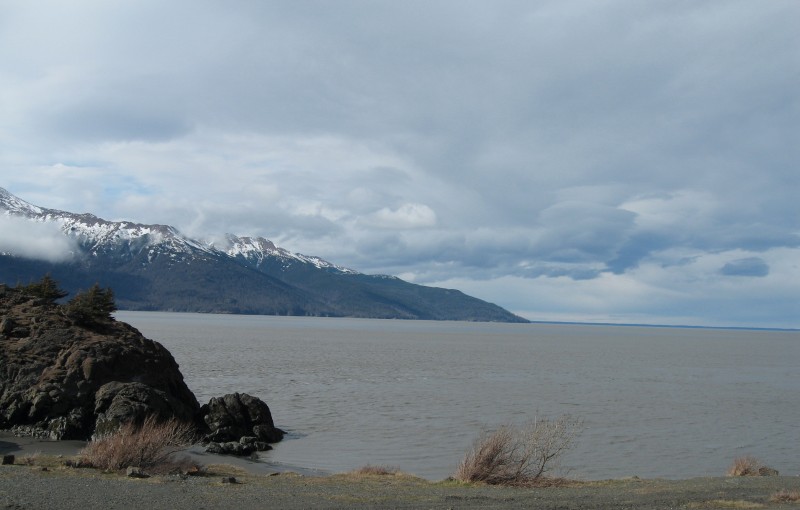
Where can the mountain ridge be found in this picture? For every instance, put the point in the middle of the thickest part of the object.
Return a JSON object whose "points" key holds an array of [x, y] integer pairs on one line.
{"points": [[155, 267]]}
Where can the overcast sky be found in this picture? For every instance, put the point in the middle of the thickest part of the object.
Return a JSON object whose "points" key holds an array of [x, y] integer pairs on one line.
{"points": [[597, 160]]}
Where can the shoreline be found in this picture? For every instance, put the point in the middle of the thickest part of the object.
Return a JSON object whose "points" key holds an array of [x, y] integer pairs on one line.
{"points": [[26, 446], [22, 446], [43, 482]]}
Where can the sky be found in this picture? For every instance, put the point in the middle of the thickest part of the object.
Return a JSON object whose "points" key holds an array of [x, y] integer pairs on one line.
{"points": [[569, 160]]}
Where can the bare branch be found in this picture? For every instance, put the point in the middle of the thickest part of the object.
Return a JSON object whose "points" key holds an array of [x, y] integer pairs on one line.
{"points": [[519, 456]]}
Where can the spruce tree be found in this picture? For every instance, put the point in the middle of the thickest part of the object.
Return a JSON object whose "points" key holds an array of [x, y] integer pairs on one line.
{"points": [[46, 288], [93, 307]]}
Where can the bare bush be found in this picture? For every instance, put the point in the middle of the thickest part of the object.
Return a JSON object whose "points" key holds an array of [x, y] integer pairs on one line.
{"points": [[150, 445], [749, 466], [30, 460], [490, 459], [519, 456]]}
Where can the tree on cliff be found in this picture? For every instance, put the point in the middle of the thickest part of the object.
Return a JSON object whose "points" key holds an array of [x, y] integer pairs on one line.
{"points": [[46, 288], [93, 307]]}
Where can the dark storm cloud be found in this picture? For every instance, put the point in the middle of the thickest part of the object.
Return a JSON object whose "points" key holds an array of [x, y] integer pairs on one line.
{"points": [[750, 266]]}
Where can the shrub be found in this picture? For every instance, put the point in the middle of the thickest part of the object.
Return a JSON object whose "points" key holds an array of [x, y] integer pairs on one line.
{"points": [[519, 456], [749, 466], [30, 460], [150, 445]]}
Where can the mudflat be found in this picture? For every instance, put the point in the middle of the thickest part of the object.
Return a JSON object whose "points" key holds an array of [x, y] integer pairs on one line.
{"points": [[59, 487]]}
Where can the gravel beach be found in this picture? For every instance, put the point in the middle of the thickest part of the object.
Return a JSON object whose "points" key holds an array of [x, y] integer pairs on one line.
{"points": [[59, 487], [39, 480]]}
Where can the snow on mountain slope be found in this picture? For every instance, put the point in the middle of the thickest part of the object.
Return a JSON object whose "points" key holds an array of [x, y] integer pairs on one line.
{"points": [[255, 250], [14, 205], [96, 235]]}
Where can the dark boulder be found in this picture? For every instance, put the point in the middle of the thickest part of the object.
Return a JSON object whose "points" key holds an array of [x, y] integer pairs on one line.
{"points": [[6, 326], [239, 423], [117, 403]]}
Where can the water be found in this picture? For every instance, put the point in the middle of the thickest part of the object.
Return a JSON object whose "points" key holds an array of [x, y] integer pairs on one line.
{"points": [[656, 402]]}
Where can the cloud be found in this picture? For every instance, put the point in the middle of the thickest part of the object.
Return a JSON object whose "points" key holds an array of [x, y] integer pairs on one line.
{"points": [[404, 217], [750, 266], [575, 231], [539, 143], [30, 239], [93, 122], [691, 293]]}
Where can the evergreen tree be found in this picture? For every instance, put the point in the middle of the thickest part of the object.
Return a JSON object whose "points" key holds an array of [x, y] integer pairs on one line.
{"points": [[46, 288], [93, 307]]}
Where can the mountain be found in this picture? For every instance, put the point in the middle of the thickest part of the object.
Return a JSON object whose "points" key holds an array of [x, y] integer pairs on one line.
{"points": [[155, 267]]}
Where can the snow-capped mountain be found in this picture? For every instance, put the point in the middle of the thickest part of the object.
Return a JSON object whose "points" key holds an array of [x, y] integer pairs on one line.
{"points": [[13, 205], [156, 267], [126, 239], [95, 235], [256, 251]]}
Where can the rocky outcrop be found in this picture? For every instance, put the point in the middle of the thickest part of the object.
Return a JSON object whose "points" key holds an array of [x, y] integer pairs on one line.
{"points": [[239, 424], [65, 378], [65, 381]]}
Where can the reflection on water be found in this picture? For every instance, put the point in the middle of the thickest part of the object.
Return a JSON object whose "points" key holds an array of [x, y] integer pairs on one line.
{"points": [[657, 402]]}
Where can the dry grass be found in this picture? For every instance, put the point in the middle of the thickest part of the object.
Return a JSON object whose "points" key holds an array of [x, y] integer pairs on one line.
{"points": [[31, 459], [150, 445], [726, 503], [40, 460], [226, 470], [370, 470], [785, 496], [520, 456], [747, 466]]}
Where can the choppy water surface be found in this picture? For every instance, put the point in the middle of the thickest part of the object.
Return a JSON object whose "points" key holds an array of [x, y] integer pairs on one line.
{"points": [[656, 402]]}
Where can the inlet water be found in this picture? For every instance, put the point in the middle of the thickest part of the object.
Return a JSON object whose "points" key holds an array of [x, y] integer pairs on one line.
{"points": [[656, 402]]}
